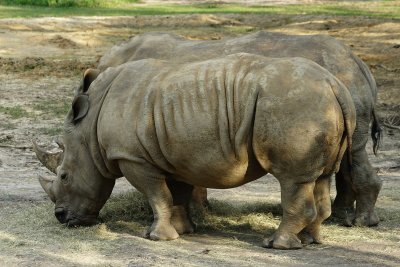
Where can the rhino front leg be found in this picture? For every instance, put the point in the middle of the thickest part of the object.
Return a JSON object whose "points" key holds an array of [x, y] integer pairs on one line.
{"points": [[181, 194], [362, 186], [343, 206], [367, 186], [298, 211], [311, 234], [151, 182]]}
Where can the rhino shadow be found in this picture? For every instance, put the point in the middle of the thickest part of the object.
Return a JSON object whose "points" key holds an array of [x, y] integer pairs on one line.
{"points": [[130, 213]]}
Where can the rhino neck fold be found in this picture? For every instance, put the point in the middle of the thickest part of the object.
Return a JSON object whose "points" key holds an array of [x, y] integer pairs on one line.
{"points": [[107, 168]]}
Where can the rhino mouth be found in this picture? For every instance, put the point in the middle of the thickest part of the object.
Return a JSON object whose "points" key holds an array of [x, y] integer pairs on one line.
{"points": [[71, 219]]}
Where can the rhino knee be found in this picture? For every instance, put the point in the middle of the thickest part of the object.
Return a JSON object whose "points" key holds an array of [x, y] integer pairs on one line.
{"points": [[366, 178], [324, 212], [375, 183], [310, 214]]}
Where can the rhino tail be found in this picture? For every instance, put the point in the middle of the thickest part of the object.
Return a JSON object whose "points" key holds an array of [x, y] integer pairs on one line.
{"points": [[376, 130], [349, 115]]}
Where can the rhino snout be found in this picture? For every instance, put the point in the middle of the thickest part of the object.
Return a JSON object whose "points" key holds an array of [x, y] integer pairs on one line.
{"points": [[61, 215], [72, 220]]}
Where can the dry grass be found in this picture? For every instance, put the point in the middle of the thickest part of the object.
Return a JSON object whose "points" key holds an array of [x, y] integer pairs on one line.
{"points": [[34, 232], [130, 214]]}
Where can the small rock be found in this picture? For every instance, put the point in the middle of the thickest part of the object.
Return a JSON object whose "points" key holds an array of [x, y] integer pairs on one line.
{"points": [[205, 251]]}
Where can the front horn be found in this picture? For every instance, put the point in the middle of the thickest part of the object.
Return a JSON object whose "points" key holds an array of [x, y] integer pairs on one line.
{"points": [[47, 184], [50, 160]]}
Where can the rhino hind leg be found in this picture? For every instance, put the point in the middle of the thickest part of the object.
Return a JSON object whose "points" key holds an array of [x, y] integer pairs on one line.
{"points": [[199, 198], [181, 221], [311, 233], [152, 183], [299, 210], [181, 194]]}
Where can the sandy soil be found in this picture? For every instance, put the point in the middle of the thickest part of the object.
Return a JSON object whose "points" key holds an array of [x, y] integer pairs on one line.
{"points": [[41, 61]]}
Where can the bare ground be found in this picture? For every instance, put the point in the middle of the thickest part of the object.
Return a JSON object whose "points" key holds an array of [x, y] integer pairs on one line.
{"points": [[41, 61]]}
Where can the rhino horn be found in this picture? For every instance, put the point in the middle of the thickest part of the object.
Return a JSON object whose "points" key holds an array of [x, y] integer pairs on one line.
{"points": [[47, 184], [50, 160], [60, 142]]}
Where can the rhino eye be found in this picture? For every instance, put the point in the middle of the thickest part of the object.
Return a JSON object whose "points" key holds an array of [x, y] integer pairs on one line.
{"points": [[64, 177]]}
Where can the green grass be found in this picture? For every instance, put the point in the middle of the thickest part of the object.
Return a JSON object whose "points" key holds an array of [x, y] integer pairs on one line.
{"points": [[15, 112], [67, 3], [387, 9], [51, 131], [53, 108], [47, 110]]}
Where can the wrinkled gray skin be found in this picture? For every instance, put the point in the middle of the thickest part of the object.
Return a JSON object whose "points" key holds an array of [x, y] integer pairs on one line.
{"points": [[216, 124], [364, 186]]}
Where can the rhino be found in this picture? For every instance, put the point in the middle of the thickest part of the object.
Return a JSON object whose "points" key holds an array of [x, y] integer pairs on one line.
{"points": [[361, 185], [218, 123]]}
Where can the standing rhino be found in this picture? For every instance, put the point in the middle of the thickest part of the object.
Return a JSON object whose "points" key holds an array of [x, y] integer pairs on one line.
{"points": [[219, 124], [363, 185]]}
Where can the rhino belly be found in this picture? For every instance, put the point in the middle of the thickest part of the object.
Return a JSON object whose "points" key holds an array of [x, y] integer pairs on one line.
{"points": [[218, 172]]}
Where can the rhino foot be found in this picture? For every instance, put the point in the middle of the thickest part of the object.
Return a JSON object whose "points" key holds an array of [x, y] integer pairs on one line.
{"points": [[307, 238], [345, 215], [366, 219], [162, 233], [181, 220], [282, 241]]}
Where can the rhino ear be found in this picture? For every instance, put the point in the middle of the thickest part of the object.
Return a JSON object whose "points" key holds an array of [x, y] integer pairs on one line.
{"points": [[88, 77], [80, 107]]}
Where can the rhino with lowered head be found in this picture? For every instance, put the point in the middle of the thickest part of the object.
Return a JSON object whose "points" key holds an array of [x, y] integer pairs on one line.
{"points": [[218, 123], [363, 185]]}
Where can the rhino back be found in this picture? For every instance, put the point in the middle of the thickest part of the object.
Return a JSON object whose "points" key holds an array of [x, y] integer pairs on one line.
{"points": [[148, 45], [328, 52]]}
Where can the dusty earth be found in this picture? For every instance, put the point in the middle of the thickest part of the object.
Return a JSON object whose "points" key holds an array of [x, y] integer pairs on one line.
{"points": [[41, 62]]}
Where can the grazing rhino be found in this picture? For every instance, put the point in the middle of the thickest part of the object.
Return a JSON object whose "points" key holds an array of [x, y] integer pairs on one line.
{"points": [[218, 123], [363, 185]]}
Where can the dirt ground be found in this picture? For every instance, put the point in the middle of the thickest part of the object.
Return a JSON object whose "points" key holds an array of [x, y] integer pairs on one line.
{"points": [[41, 63]]}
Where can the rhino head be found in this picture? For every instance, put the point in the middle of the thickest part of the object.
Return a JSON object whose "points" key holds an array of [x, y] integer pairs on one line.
{"points": [[79, 189]]}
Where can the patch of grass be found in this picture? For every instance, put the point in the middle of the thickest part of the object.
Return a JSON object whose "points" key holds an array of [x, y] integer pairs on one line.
{"points": [[240, 29], [15, 112], [51, 131], [131, 212], [127, 207], [377, 9], [52, 108], [250, 218], [43, 67], [67, 3], [35, 231], [7, 125]]}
